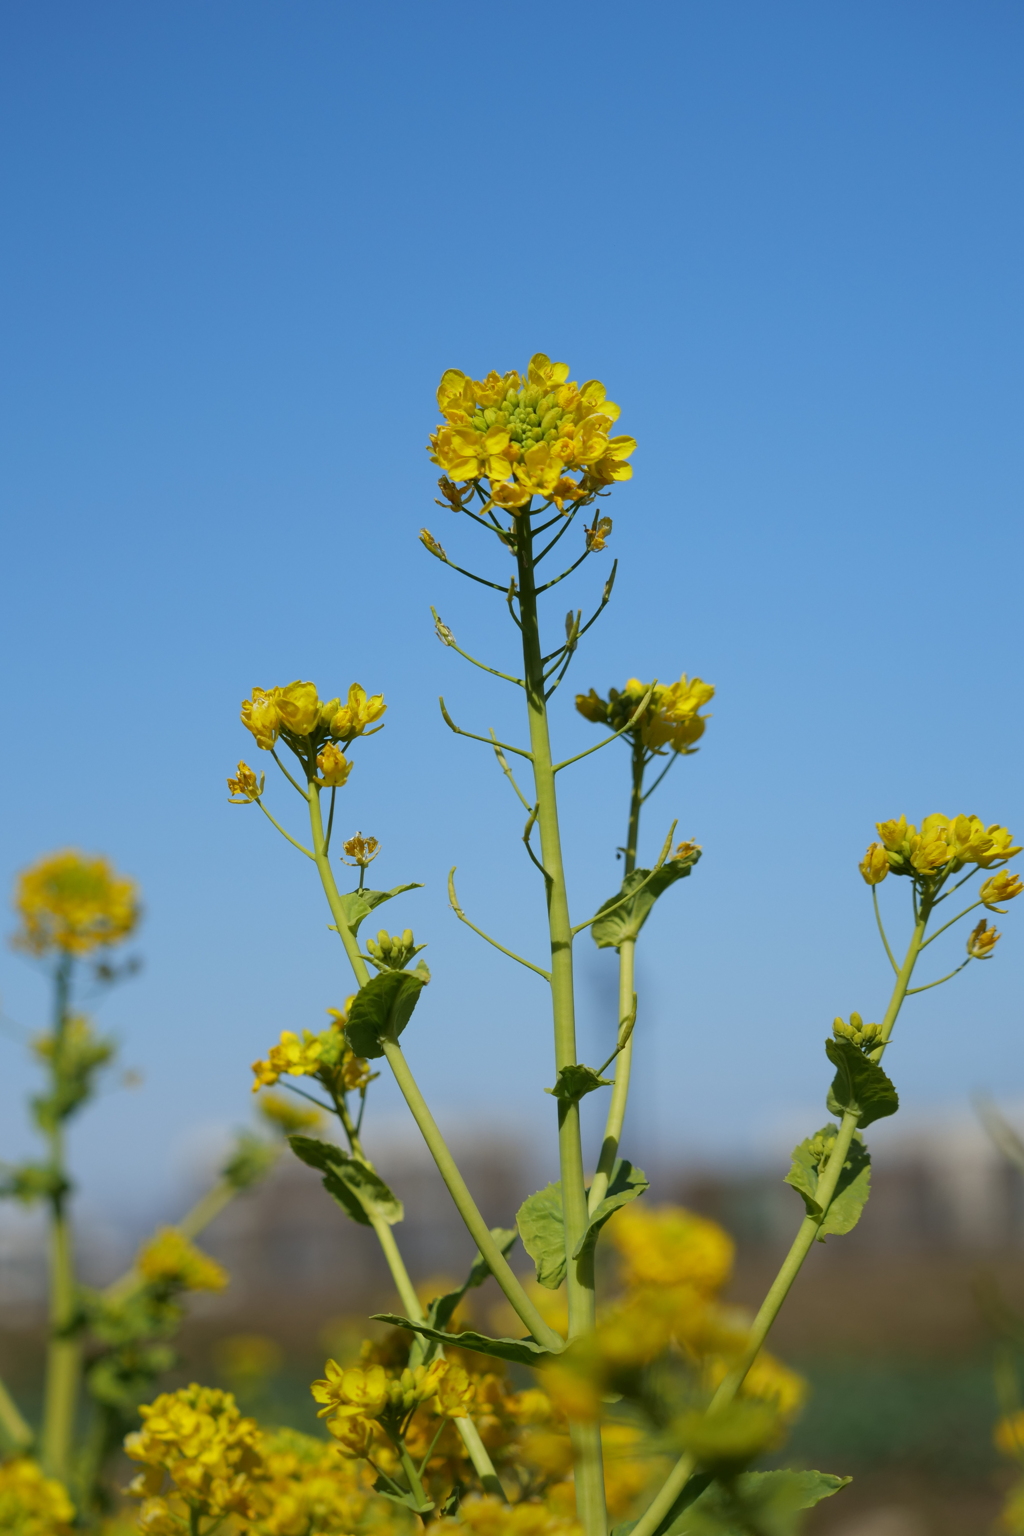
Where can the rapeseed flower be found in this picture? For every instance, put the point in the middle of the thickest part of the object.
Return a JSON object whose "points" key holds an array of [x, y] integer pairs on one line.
{"points": [[670, 719], [198, 1440], [32, 1504], [1001, 887], [518, 437], [170, 1258], [944, 845], [671, 1247], [299, 713], [246, 787], [74, 903], [982, 941], [334, 766], [360, 850]]}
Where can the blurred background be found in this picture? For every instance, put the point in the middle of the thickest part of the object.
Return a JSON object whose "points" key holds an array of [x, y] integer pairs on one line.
{"points": [[241, 243]]}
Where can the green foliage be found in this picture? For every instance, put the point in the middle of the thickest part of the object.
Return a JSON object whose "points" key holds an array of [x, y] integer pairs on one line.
{"points": [[859, 1084], [382, 1009], [757, 1504], [442, 1308], [629, 916], [359, 1191], [29, 1182], [852, 1190], [518, 1351], [575, 1081], [542, 1227], [358, 905], [250, 1160], [74, 1054]]}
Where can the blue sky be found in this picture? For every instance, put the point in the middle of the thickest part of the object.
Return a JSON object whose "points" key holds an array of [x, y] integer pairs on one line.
{"points": [[241, 242]]}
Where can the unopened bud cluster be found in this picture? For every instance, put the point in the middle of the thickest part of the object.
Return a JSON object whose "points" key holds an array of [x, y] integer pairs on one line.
{"points": [[866, 1037], [392, 952]]}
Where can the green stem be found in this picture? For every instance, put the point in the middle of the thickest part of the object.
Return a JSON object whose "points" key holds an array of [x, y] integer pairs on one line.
{"points": [[18, 1434], [586, 1437], [655, 1514], [64, 1354], [191, 1224], [627, 958]]}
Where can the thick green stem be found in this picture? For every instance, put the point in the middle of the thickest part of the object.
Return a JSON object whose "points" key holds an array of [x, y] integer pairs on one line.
{"points": [[670, 1491], [586, 1437], [64, 1354]]}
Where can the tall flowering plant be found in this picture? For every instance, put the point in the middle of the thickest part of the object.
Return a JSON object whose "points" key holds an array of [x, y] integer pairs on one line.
{"points": [[656, 1401]]}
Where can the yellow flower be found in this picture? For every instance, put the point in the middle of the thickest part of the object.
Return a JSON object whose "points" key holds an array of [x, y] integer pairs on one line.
{"points": [[944, 844], [671, 1246], [200, 1440], [74, 903], [298, 707], [455, 1394], [493, 1517], [982, 941], [1001, 887], [359, 713], [592, 708], [670, 718], [334, 766], [32, 1504], [598, 536], [875, 865], [286, 1116], [523, 435], [169, 1258], [1009, 1435], [1001, 847], [768, 1380], [246, 787], [291, 1056], [260, 716], [361, 850], [354, 1433]]}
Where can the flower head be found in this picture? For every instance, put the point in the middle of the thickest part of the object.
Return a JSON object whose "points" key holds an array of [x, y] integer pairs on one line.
{"points": [[1001, 887], [875, 865], [246, 787], [360, 850], [170, 1259], [286, 1116], [298, 707], [520, 437], [32, 1504], [671, 1246], [75, 903], [334, 766], [360, 712], [982, 941], [944, 845], [260, 715], [198, 1439], [670, 717]]}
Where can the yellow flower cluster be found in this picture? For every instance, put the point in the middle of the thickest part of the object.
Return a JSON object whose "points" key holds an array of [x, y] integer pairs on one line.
{"points": [[298, 714], [528, 436], [327, 1056], [287, 1116], [488, 1516], [357, 1398], [944, 845], [197, 1451], [202, 1459], [32, 1504], [670, 719], [74, 903], [170, 1259]]}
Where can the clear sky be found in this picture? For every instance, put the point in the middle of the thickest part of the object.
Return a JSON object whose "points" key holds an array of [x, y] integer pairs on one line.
{"points": [[241, 242]]}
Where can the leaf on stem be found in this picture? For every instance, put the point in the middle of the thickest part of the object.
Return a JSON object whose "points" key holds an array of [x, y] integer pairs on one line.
{"points": [[359, 904], [442, 1308], [520, 1351], [382, 1009], [359, 1191], [851, 1192], [768, 1502], [626, 921], [541, 1223], [859, 1085], [577, 1080]]}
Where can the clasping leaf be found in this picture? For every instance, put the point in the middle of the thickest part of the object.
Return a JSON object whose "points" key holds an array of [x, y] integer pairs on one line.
{"points": [[859, 1085], [626, 921], [357, 1188], [359, 904], [382, 1009], [852, 1190]]}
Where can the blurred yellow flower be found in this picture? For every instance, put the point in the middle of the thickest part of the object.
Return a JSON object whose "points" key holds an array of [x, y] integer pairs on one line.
{"points": [[768, 1380], [982, 941], [528, 436], [671, 1246], [287, 1116], [334, 766], [32, 1504], [169, 1258], [72, 902], [455, 1394], [246, 787], [1009, 1435]]}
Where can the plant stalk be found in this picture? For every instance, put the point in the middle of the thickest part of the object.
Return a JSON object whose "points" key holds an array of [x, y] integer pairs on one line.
{"points": [[64, 1354], [586, 1437]]}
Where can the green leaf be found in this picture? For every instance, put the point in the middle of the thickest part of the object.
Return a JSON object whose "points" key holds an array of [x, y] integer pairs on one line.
{"points": [[577, 1080], [625, 1184], [626, 921], [769, 1503], [357, 1188], [359, 904], [382, 1009], [852, 1190], [542, 1229], [441, 1309], [859, 1084], [521, 1351]]}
